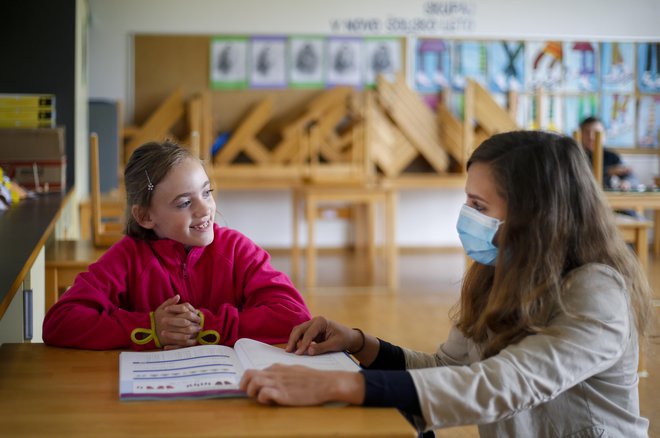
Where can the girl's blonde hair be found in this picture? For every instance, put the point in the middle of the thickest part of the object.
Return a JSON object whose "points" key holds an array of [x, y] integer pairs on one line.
{"points": [[148, 165], [557, 219]]}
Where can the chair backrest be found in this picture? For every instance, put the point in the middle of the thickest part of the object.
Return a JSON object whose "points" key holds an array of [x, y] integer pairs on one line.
{"points": [[103, 233]]}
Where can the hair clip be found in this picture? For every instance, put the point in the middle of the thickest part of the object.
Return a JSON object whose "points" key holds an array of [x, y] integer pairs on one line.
{"points": [[150, 186]]}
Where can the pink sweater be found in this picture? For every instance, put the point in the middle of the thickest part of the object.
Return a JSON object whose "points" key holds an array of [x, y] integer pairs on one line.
{"points": [[230, 281]]}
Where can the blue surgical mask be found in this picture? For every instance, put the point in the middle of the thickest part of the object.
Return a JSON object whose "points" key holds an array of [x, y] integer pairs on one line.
{"points": [[477, 231]]}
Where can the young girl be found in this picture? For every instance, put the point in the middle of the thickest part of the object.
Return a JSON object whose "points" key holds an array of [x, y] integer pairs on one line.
{"points": [[545, 337], [176, 279]]}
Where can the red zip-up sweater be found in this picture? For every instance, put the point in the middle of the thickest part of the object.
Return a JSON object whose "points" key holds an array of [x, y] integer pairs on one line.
{"points": [[230, 281]]}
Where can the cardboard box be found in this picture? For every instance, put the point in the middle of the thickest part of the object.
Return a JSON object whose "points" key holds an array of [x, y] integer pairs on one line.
{"points": [[34, 155]]}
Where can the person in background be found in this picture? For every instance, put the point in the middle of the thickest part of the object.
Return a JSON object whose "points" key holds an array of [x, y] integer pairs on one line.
{"points": [[545, 337], [616, 175], [176, 279]]}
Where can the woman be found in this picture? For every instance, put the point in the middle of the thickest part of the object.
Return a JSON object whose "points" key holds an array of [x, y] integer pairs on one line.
{"points": [[545, 337]]}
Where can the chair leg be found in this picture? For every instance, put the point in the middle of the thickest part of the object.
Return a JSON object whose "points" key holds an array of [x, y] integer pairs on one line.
{"points": [[310, 209], [390, 239], [295, 246]]}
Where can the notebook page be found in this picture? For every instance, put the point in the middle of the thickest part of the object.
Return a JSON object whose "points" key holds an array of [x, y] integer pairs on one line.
{"points": [[194, 370], [257, 355]]}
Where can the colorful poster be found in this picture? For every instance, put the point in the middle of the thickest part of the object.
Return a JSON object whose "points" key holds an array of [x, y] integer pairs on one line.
{"points": [[551, 112], [268, 62], [543, 65], [506, 66], [648, 121], [345, 61], [383, 57], [648, 67], [618, 67], [578, 108], [580, 67], [228, 62], [432, 69], [618, 116], [468, 61], [306, 62]]}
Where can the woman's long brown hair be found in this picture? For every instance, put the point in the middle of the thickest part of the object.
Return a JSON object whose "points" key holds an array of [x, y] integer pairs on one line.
{"points": [[557, 220]]}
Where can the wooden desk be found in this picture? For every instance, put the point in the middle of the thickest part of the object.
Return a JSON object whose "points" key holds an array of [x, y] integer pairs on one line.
{"points": [[24, 229], [310, 197], [74, 393], [645, 200], [635, 231]]}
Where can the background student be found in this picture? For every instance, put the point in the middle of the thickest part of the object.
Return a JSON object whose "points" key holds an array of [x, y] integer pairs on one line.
{"points": [[545, 336], [616, 175], [176, 279]]}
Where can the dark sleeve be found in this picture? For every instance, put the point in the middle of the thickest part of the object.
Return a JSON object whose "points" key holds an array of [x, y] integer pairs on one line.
{"points": [[388, 384], [391, 388], [611, 159], [390, 357]]}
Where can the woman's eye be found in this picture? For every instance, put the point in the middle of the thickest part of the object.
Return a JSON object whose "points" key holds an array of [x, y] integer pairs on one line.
{"points": [[207, 193], [184, 204]]}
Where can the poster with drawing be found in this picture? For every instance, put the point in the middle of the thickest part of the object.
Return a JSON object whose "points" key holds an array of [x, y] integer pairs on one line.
{"points": [[345, 61], [543, 65], [551, 107], [505, 66], [228, 62], [268, 62], [431, 67], [578, 108], [580, 67], [648, 121], [383, 57], [468, 61], [618, 116], [307, 58], [648, 67], [617, 66]]}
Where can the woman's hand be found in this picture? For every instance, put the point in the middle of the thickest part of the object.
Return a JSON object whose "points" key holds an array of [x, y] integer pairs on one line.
{"points": [[295, 385], [176, 324], [320, 335]]}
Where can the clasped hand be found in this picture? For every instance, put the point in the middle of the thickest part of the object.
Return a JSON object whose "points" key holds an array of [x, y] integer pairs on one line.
{"points": [[176, 324]]}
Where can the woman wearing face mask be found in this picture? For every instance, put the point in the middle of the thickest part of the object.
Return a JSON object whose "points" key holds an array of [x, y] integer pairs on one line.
{"points": [[545, 336]]}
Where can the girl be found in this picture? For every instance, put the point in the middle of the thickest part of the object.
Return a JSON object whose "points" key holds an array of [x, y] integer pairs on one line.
{"points": [[176, 279], [545, 337]]}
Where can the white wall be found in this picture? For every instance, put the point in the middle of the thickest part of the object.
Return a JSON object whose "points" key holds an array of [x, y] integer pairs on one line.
{"points": [[425, 218]]}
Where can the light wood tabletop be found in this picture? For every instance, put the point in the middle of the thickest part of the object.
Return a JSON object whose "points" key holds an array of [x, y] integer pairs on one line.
{"points": [[48, 391]]}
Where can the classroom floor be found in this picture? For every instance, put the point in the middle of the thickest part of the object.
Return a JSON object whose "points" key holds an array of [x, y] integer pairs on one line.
{"points": [[416, 315]]}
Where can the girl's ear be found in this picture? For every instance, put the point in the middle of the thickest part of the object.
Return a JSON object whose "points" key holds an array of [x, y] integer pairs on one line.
{"points": [[142, 217]]}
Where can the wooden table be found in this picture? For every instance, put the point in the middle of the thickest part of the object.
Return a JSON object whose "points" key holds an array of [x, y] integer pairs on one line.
{"points": [[24, 229], [47, 391], [309, 199], [644, 200]]}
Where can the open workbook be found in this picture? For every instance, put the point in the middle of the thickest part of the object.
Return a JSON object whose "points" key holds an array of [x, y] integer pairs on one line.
{"points": [[206, 371]]}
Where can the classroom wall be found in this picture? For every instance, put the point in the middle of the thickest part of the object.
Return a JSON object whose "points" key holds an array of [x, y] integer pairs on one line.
{"points": [[425, 217]]}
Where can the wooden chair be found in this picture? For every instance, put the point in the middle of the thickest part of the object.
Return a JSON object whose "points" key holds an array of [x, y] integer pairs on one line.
{"points": [[106, 230], [329, 184], [65, 259]]}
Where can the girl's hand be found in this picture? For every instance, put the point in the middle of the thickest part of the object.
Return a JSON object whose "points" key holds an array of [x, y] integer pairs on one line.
{"points": [[320, 335], [177, 325], [295, 385]]}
